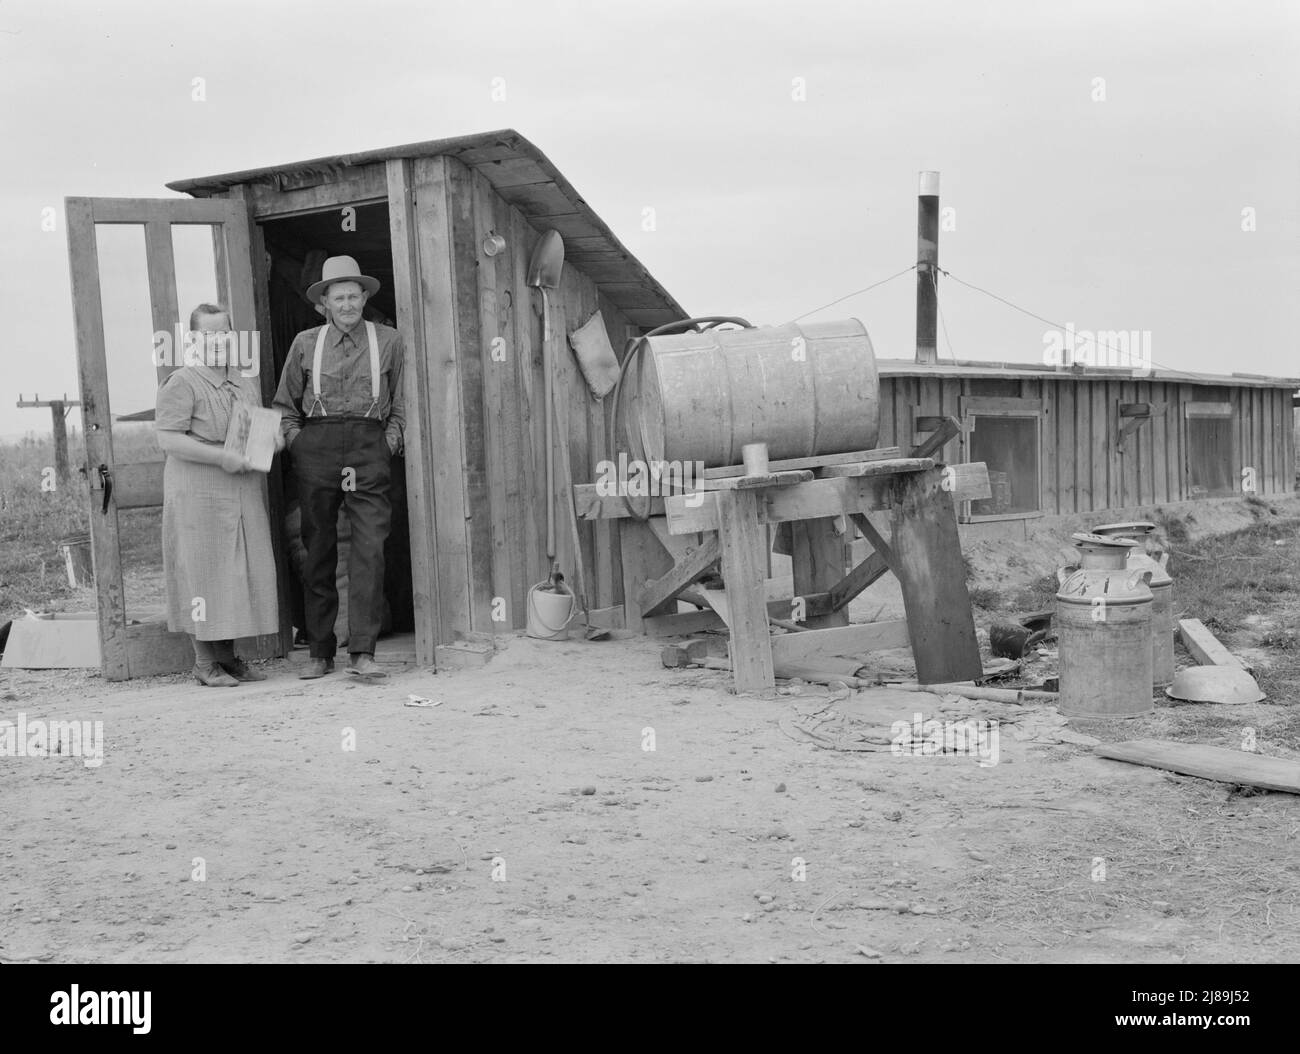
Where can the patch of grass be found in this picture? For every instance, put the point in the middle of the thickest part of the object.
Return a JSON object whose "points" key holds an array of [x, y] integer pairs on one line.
{"points": [[1174, 528], [1221, 579], [1281, 641], [1039, 595], [988, 599], [1258, 507], [32, 521]]}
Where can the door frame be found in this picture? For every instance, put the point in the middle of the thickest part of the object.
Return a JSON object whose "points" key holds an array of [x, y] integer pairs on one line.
{"points": [[414, 268], [141, 649]]}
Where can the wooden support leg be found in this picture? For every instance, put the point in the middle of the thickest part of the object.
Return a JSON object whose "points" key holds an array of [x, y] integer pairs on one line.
{"points": [[743, 541], [926, 554], [644, 559], [656, 596], [818, 563]]}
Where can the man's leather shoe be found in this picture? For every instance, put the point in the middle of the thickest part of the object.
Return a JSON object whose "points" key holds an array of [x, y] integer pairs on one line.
{"points": [[317, 668], [363, 665]]}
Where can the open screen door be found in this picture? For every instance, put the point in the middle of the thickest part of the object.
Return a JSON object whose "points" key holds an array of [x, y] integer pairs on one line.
{"points": [[138, 268]]}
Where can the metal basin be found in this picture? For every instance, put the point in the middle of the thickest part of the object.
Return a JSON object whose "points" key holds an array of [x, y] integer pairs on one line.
{"points": [[1214, 684]]}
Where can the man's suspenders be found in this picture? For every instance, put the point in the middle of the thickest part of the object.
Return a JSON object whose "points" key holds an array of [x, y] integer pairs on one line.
{"points": [[373, 340]]}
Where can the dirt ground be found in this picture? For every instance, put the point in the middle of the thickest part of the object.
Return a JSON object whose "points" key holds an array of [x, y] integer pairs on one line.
{"points": [[463, 831]]}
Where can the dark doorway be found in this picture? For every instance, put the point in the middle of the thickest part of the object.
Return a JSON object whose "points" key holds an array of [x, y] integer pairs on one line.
{"points": [[297, 246]]}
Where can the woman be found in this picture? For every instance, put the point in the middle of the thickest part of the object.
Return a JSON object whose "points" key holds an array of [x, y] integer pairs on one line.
{"points": [[216, 531]]}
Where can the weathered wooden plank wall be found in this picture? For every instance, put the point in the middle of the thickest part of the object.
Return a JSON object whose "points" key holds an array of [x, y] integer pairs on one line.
{"points": [[1082, 466], [500, 391]]}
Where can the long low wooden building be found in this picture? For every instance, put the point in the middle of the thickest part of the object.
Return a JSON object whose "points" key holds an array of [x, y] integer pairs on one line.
{"points": [[1068, 441]]}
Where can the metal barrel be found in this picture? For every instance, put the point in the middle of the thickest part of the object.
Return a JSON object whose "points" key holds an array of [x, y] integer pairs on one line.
{"points": [[802, 390]]}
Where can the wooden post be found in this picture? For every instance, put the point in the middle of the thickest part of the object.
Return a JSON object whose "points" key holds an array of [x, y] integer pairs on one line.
{"points": [[60, 440], [742, 538], [927, 263], [57, 409], [817, 560]]}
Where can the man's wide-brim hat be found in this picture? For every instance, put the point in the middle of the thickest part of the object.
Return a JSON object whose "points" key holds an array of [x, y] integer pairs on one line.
{"points": [[340, 269]]}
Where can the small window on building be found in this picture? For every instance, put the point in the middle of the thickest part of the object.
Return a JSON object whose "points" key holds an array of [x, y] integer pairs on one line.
{"points": [[1210, 462], [1006, 435]]}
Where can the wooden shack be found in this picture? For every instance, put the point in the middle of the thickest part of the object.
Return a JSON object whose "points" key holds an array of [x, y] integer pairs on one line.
{"points": [[1060, 442], [419, 218]]}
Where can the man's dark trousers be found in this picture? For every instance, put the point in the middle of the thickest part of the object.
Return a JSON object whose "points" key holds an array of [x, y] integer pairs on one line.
{"points": [[343, 460]]}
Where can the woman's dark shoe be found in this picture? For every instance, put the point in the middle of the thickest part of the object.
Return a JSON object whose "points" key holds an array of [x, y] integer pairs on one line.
{"points": [[241, 671], [214, 676]]}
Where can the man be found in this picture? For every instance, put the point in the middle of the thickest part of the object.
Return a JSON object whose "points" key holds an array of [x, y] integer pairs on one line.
{"points": [[341, 400]]}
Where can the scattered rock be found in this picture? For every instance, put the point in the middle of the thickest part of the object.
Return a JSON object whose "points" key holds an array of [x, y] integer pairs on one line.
{"points": [[870, 953], [588, 790], [747, 917], [408, 889], [703, 779], [451, 944], [780, 788], [765, 898], [302, 937]]}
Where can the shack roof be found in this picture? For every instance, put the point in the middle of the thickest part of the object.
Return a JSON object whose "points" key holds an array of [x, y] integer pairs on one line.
{"points": [[1026, 370], [523, 176]]}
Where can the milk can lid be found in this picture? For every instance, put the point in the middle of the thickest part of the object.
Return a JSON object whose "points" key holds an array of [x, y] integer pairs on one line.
{"points": [[1133, 527], [1102, 541]]}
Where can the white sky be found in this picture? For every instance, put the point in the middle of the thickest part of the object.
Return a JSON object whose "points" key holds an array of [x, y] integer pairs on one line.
{"points": [[1123, 214]]}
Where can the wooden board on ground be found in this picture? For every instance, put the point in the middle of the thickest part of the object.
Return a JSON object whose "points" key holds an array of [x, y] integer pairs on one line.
{"points": [[1223, 764], [805, 649], [1204, 645], [930, 569]]}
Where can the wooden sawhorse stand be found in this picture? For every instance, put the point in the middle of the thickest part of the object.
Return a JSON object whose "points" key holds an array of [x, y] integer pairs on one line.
{"points": [[688, 534], [924, 553]]}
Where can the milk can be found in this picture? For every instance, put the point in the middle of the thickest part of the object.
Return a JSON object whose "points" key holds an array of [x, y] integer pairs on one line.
{"points": [[1149, 557], [1103, 627]]}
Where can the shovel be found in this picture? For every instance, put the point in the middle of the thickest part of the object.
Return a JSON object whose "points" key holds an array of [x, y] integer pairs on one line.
{"points": [[544, 269]]}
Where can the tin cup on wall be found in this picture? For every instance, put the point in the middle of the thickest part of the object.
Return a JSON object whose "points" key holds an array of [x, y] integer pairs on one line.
{"points": [[754, 456]]}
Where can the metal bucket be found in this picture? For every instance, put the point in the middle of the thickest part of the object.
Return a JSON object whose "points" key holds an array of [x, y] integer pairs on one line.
{"points": [[1148, 557], [1103, 629], [802, 390], [550, 611]]}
